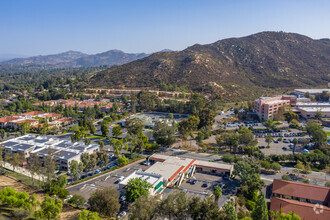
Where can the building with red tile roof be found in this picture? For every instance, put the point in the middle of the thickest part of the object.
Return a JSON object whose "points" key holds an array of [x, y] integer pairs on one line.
{"points": [[306, 211], [301, 198], [301, 191]]}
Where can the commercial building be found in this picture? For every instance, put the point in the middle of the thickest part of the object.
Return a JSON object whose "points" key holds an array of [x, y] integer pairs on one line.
{"points": [[167, 170], [155, 180], [267, 107], [306, 200], [63, 150], [302, 92]]}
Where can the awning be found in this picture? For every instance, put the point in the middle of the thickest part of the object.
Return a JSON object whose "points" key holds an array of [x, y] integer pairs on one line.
{"points": [[160, 190], [159, 184]]}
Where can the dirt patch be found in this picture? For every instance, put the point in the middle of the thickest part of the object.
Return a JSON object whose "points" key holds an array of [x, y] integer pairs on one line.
{"points": [[18, 186], [67, 213]]}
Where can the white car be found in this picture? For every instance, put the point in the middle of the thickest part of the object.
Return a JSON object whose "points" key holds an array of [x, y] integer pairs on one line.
{"points": [[306, 151], [121, 214], [68, 197]]}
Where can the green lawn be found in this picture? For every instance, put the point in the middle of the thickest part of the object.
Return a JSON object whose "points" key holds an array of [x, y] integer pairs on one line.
{"points": [[97, 137]]}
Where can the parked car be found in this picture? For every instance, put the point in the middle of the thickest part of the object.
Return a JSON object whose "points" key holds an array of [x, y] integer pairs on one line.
{"points": [[147, 163], [226, 177], [121, 214], [193, 181], [284, 148], [205, 184], [306, 151]]}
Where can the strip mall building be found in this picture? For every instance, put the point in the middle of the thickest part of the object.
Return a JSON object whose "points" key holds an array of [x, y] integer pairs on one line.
{"points": [[167, 170]]}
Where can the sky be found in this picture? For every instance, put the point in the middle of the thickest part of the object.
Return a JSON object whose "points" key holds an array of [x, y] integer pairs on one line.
{"points": [[40, 27]]}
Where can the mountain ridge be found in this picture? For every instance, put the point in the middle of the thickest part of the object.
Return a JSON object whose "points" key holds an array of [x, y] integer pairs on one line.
{"points": [[78, 59], [243, 66]]}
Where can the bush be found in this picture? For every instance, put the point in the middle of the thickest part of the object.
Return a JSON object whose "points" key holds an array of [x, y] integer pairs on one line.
{"points": [[286, 177], [250, 205], [327, 184], [241, 214], [275, 166], [241, 200], [280, 139], [265, 164], [228, 158], [305, 181]]}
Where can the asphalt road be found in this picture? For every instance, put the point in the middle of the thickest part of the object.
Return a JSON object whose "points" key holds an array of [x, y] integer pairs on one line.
{"points": [[110, 179]]}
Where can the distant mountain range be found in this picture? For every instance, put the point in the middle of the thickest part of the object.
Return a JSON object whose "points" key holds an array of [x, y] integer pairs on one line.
{"points": [[246, 66], [79, 59]]}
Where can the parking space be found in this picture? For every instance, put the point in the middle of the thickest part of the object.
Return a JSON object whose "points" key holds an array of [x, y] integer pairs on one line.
{"points": [[203, 187], [110, 179]]}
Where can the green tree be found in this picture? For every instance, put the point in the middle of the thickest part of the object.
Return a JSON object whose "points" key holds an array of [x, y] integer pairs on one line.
{"points": [[105, 201], [229, 211], [2, 133], [77, 200], [268, 139], [134, 125], [137, 187], [248, 170], [261, 211], [122, 160], [206, 118], [145, 208], [116, 131], [295, 142], [34, 166], [217, 192], [246, 137], [318, 134], [87, 215], [16, 160], [170, 115], [104, 130], [290, 115], [175, 206], [50, 208], [187, 126], [101, 144], [92, 128], [269, 124], [146, 100], [163, 133]]}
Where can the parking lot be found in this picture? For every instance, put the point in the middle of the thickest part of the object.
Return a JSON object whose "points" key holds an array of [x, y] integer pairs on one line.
{"points": [[203, 187], [110, 179]]}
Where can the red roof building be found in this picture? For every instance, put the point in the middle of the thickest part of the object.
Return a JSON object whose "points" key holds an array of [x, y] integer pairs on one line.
{"points": [[306, 200]]}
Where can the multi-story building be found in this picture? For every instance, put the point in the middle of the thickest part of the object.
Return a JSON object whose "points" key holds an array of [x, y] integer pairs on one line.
{"points": [[267, 107], [63, 150], [35, 119], [306, 200]]}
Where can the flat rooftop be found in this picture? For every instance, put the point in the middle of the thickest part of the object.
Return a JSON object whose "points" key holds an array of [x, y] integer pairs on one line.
{"points": [[168, 171], [149, 177], [213, 165], [314, 109], [312, 90], [313, 104]]}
